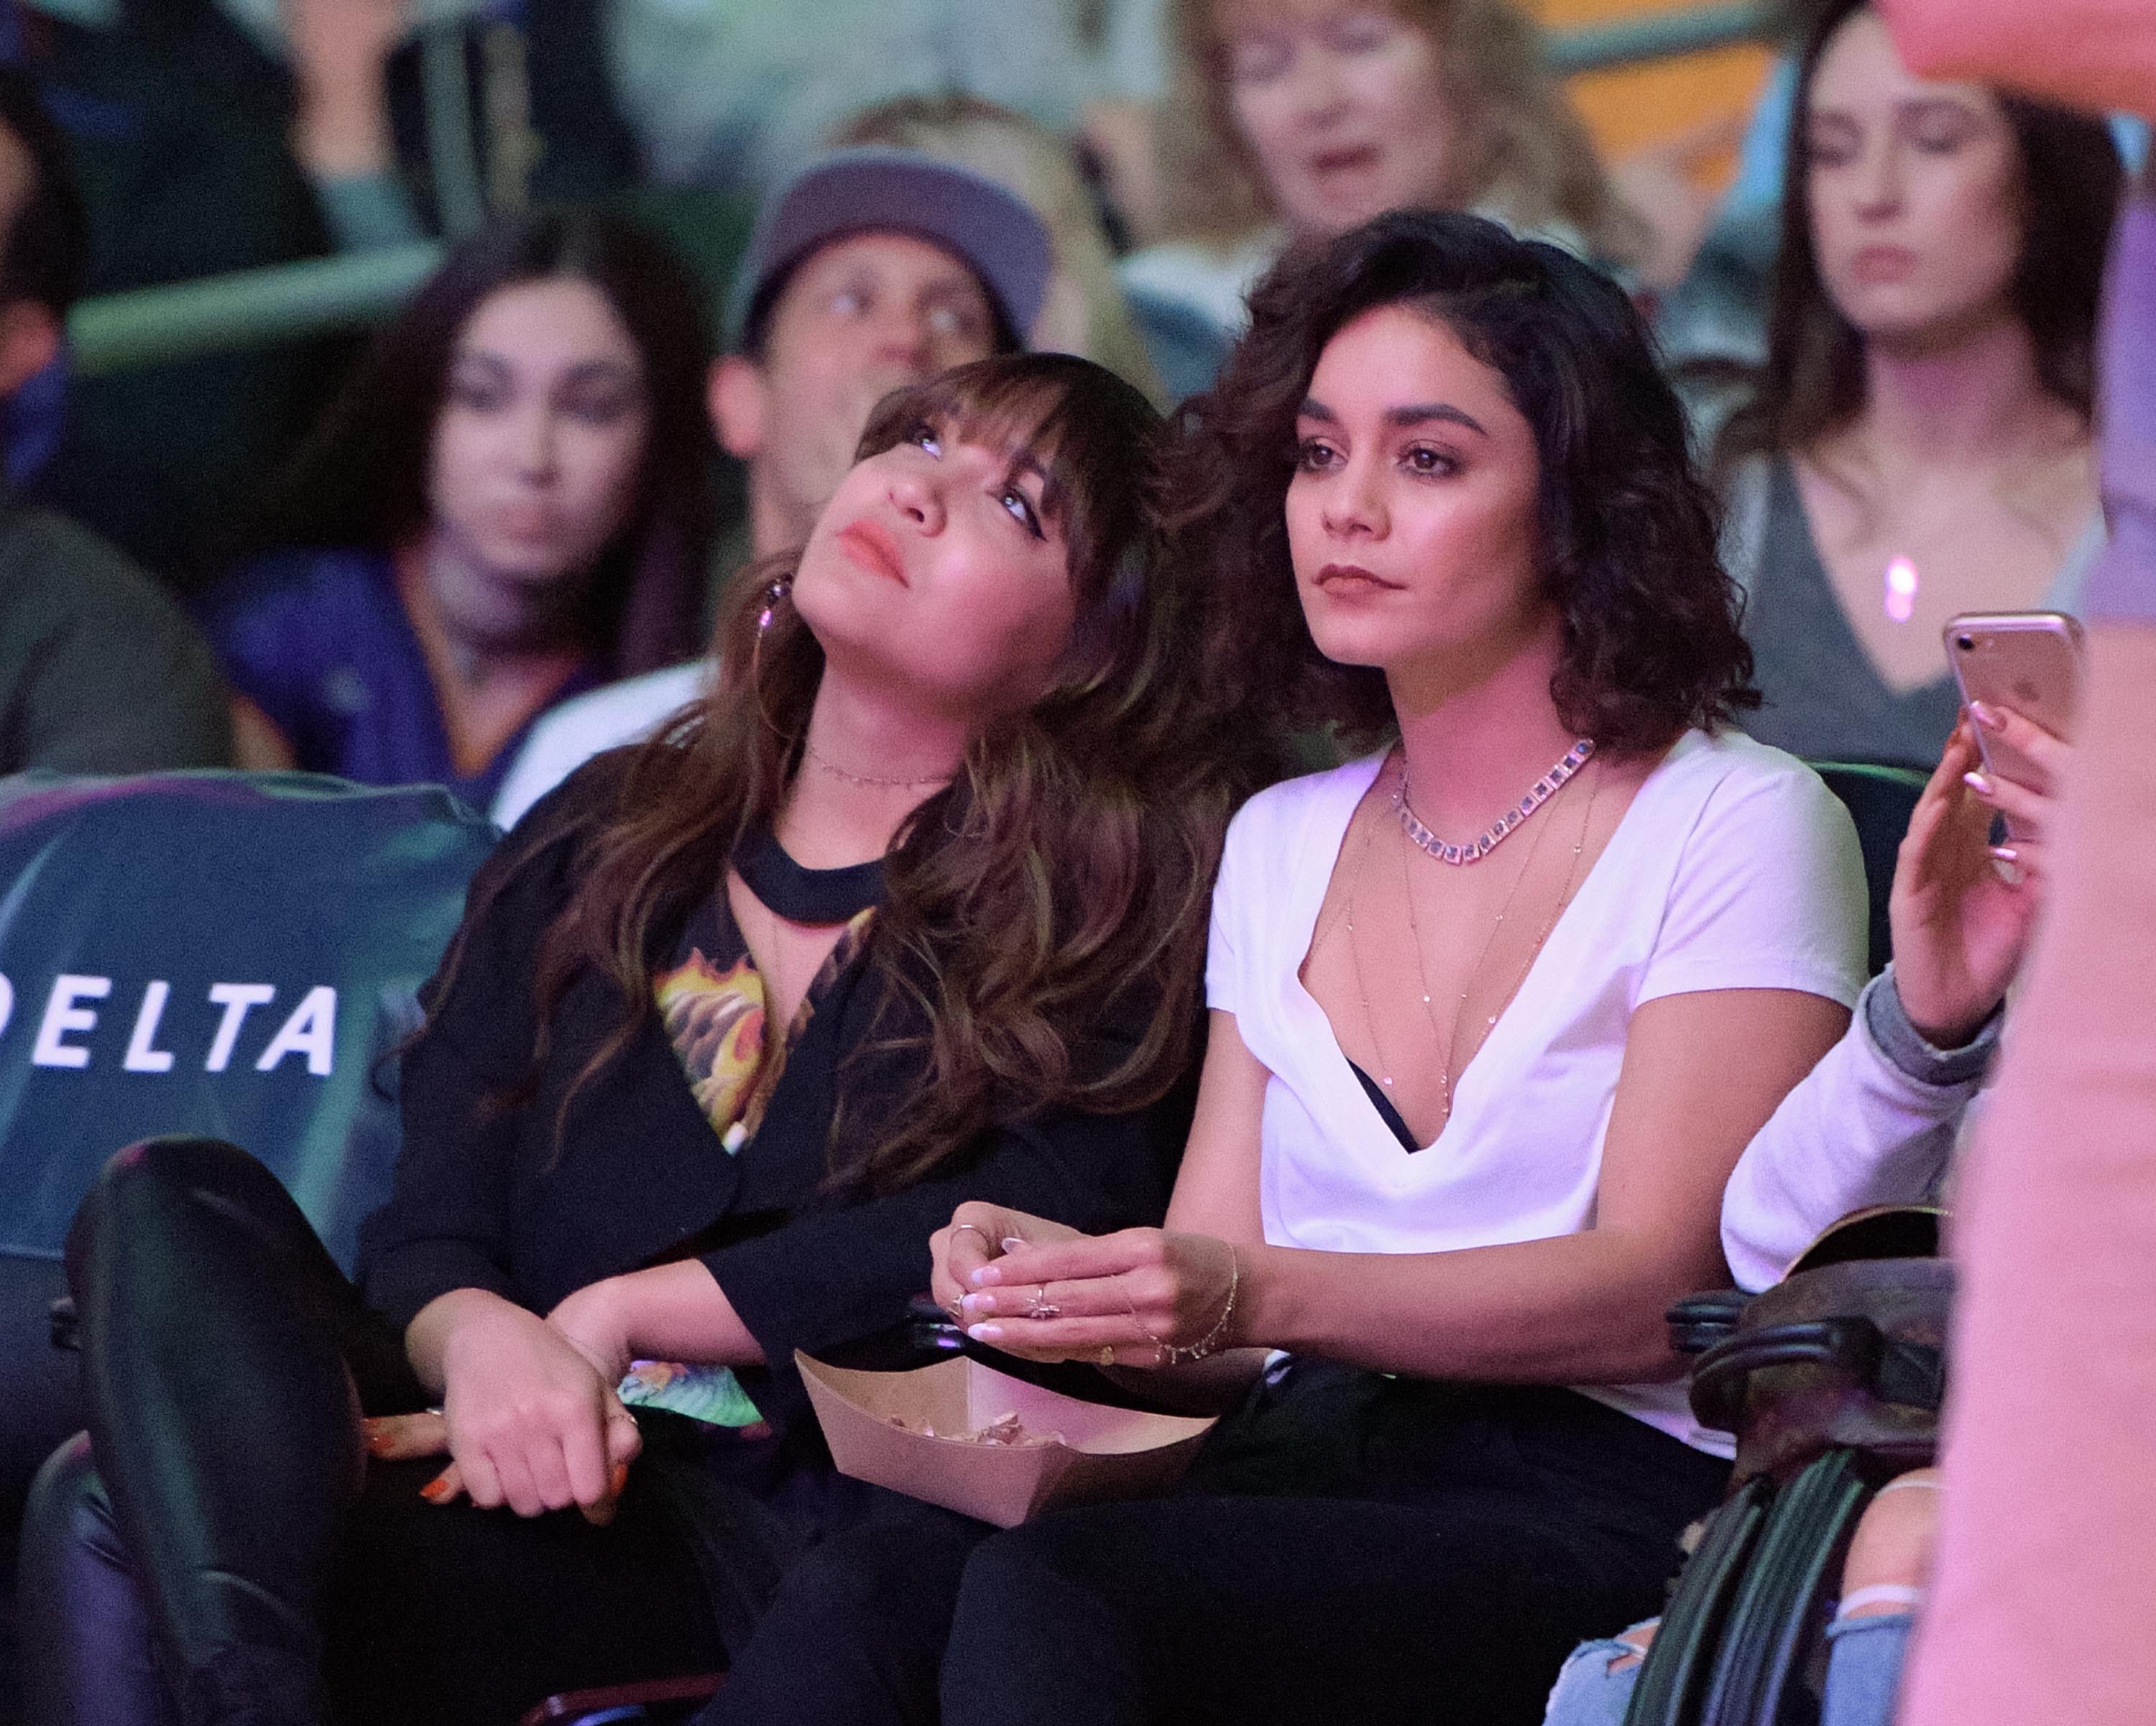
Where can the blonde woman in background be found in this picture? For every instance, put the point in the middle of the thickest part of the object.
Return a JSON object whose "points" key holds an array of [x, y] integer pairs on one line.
{"points": [[1085, 312], [1294, 119]]}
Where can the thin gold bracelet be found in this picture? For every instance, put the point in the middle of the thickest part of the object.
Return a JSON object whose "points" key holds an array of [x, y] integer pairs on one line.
{"points": [[1206, 1345]]}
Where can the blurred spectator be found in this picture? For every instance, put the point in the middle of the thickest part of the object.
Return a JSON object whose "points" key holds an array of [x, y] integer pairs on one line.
{"points": [[1085, 312], [737, 93], [870, 269], [538, 111], [180, 113], [99, 671], [1918, 444], [176, 123], [507, 505], [2052, 1506], [1308, 120]]}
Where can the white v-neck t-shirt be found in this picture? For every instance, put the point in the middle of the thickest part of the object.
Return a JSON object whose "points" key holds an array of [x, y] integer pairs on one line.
{"points": [[1734, 868]]}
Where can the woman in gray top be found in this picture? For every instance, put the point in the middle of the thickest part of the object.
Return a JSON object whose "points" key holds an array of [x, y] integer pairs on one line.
{"points": [[1918, 445]]}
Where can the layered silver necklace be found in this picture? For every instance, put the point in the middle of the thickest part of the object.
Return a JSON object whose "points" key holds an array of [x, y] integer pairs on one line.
{"points": [[1488, 840]]}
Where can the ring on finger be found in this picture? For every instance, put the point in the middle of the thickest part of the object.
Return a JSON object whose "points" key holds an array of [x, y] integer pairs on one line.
{"points": [[1040, 1306], [972, 1228], [1106, 1357]]}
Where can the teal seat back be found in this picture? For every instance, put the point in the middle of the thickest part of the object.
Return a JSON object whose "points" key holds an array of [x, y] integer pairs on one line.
{"points": [[1879, 800], [225, 954]]}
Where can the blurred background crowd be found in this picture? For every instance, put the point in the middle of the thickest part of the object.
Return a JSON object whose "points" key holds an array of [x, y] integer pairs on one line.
{"points": [[273, 543]]}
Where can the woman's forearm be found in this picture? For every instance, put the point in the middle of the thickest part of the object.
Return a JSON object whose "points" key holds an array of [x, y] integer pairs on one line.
{"points": [[426, 1337], [676, 1312], [1581, 1308], [1872, 1123]]}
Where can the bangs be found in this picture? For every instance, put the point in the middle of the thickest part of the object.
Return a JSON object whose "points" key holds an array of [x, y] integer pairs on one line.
{"points": [[1094, 442], [1023, 414]]}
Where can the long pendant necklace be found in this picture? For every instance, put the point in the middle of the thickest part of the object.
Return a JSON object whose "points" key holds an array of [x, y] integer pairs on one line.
{"points": [[1448, 1068], [1487, 840], [1448, 1043]]}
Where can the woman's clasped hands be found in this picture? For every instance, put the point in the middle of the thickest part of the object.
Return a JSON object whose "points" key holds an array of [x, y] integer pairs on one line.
{"points": [[530, 1417], [1142, 1297]]}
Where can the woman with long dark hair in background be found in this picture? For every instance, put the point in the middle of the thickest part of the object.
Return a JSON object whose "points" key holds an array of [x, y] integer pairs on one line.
{"points": [[507, 504], [1918, 444], [910, 909]]}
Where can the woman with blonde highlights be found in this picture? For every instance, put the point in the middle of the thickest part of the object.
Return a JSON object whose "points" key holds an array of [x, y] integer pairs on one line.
{"points": [[1302, 120], [911, 908]]}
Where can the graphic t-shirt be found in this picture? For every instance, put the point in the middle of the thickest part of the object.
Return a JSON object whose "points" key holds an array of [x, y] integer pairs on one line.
{"points": [[711, 999]]}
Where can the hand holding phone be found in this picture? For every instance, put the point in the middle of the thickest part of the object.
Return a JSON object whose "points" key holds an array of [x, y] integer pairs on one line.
{"points": [[2021, 663]]}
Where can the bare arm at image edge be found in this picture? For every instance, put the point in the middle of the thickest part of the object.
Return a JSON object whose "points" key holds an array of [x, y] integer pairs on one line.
{"points": [[2051, 1508]]}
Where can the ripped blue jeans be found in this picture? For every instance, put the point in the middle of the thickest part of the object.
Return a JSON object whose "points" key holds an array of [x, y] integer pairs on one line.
{"points": [[1863, 1673]]}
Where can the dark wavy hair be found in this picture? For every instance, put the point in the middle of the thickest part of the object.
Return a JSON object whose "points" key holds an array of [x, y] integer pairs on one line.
{"points": [[361, 478], [2072, 179], [1627, 529], [1057, 889]]}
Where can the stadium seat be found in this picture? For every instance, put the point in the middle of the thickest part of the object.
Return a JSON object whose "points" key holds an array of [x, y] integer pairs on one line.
{"points": [[220, 952]]}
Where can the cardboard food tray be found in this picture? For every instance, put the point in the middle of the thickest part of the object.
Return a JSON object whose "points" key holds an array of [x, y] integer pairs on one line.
{"points": [[1104, 1453]]}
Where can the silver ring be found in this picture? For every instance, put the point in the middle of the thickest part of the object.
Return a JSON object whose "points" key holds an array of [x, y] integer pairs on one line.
{"points": [[1040, 1306]]}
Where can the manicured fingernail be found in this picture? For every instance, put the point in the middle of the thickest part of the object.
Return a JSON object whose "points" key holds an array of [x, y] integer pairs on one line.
{"points": [[979, 1304], [1978, 782], [1013, 1242], [1986, 715], [986, 1276], [2005, 853], [986, 1332], [618, 1481], [437, 1490], [375, 1435]]}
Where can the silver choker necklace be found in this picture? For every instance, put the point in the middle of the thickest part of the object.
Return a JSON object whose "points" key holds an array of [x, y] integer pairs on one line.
{"points": [[1487, 840]]}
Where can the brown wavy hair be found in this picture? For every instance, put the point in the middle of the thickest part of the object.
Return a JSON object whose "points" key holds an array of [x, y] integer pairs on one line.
{"points": [[1812, 383], [1529, 153], [1042, 939], [1627, 528]]}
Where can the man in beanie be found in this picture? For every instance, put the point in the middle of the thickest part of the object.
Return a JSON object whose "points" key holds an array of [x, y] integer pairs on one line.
{"points": [[870, 269]]}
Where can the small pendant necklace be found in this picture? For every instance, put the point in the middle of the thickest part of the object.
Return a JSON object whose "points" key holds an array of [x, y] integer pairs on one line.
{"points": [[1487, 840], [870, 779]]}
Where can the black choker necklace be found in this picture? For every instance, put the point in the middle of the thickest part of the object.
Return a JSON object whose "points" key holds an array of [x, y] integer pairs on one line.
{"points": [[801, 894]]}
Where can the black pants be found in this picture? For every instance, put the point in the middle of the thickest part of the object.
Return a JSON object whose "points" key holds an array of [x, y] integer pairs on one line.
{"points": [[1350, 1548], [233, 1557]]}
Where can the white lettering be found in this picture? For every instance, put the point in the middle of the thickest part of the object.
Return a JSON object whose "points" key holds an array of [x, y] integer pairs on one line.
{"points": [[7, 1002], [236, 999], [63, 1016], [143, 1056], [312, 1031]]}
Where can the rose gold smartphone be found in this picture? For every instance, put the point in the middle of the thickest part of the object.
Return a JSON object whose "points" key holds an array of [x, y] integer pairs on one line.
{"points": [[2029, 661]]}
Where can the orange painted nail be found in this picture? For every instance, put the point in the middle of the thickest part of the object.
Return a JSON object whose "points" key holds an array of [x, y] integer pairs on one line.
{"points": [[617, 1482], [438, 1490]]}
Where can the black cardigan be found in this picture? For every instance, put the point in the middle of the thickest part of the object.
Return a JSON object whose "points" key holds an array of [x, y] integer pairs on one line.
{"points": [[640, 1175]]}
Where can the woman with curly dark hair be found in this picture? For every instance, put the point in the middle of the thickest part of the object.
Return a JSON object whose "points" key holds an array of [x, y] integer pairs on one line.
{"points": [[1496, 1007], [910, 909]]}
